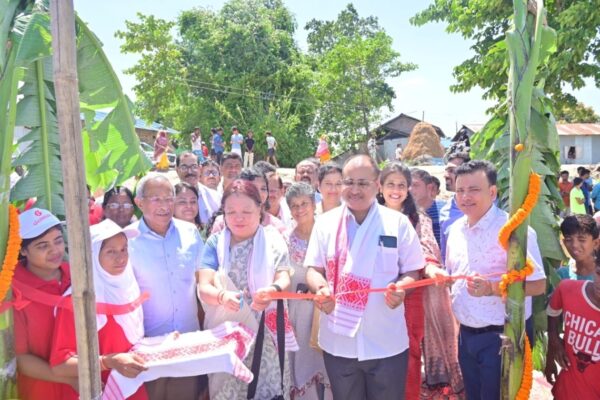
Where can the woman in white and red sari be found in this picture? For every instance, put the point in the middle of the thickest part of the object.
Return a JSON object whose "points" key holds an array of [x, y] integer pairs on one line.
{"points": [[114, 284]]}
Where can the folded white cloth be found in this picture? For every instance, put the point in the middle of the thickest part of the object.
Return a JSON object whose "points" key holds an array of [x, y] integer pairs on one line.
{"points": [[221, 349]]}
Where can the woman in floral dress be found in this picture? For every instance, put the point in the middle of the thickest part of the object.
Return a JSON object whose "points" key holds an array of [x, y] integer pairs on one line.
{"points": [[309, 378], [239, 266]]}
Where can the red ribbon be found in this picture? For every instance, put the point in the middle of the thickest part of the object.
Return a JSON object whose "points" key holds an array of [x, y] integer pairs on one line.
{"points": [[412, 285], [25, 295]]}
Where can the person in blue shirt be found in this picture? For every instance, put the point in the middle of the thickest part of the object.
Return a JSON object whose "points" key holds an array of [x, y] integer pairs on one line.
{"points": [[218, 145], [596, 197], [450, 211], [586, 187]]}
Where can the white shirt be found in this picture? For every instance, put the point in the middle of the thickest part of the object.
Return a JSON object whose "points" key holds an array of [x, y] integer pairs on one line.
{"points": [[382, 332], [197, 144], [236, 141], [271, 142], [209, 202], [476, 249]]}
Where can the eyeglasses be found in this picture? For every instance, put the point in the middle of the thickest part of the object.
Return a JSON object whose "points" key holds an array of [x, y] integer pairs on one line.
{"points": [[116, 206], [191, 167], [361, 183], [303, 205], [155, 200], [210, 173]]}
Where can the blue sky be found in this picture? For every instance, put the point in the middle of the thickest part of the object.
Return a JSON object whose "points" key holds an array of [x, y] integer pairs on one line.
{"points": [[425, 90]]}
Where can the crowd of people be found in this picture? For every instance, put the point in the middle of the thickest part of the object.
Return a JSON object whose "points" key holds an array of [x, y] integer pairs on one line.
{"points": [[231, 234], [580, 195]]}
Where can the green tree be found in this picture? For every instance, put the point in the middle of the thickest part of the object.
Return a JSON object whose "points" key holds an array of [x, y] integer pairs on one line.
{"points": [[236, 66], [579, 113], [577, 55], [111, 146], [353, 57]]}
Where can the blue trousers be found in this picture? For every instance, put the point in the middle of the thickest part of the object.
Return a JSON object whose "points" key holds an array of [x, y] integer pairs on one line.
{"points": [[481, 363]]}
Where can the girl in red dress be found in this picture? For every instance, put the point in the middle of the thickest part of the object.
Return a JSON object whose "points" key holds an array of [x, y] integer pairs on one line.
{"points": [[114, 283], [41, 268]]}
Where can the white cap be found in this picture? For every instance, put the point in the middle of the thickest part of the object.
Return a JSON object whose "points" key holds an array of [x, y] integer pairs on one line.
{"points": [[108, 228], [36, 221]]}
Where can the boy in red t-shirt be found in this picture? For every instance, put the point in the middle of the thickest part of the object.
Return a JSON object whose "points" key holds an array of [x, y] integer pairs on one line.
{"points": [[578, 353], [41, 267]]}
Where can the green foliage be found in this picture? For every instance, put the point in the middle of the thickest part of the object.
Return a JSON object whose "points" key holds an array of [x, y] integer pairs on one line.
{"points": [[352, 58], [111, 147], [579, 113], [236, 66], [577, 55]]}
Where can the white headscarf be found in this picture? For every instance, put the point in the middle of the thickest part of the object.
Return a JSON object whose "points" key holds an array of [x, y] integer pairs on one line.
{"points": [[116, 289]]}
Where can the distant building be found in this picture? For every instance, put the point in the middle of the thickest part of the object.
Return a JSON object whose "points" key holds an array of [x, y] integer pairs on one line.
{"points": [[578, 143], [397, 130], [389, 134]]}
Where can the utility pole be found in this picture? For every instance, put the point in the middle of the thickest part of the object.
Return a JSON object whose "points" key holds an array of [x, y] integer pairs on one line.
{"points": [[66, 89]]}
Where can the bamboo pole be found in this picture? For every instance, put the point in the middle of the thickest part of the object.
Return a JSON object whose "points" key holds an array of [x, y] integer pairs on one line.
{"points": [[76, 202]]}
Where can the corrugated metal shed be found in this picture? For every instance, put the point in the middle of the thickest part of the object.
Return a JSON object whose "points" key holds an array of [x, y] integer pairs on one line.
{"points": [[578, 129]]}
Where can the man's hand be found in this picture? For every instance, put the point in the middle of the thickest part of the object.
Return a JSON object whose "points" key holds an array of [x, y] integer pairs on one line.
{"points": [[478, 286], [394, 296], [324, 300]]}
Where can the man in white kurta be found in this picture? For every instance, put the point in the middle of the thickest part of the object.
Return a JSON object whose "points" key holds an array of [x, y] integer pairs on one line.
{"points": [[366, 355]]}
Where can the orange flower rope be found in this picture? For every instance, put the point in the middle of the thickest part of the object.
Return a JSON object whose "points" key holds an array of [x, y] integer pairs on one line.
{"points": [[527, 378], [512, 276], [11, 257]]}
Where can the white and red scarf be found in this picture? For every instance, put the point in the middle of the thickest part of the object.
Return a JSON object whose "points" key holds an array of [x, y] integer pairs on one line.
{"points": [[350, 269], [222, 349], [261, 271]]}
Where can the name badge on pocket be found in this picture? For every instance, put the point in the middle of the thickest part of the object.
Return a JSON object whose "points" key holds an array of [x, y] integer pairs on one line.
{"points": [[388, 241]]}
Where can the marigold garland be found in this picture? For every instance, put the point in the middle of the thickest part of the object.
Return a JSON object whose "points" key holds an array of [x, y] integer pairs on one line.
{"points": [[527, 378], [535, 186], [512, 276], [11, 257]]}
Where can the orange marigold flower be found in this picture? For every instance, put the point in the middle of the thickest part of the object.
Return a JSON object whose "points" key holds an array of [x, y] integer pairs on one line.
{"points": [[519, 147], [11, 257], [527, 377]]}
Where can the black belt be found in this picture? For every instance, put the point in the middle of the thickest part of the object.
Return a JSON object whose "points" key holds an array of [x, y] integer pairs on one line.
{"points": [[485, 329]]}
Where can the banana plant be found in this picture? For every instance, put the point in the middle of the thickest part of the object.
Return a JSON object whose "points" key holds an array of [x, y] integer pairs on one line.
{"points": [[526, 118], [111, 146]]}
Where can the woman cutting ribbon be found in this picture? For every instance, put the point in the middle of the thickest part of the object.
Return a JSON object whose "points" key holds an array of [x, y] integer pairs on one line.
{"points": [[240, 266], [114, 283]]}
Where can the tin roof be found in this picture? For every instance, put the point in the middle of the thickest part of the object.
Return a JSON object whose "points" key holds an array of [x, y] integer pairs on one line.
{"points": [[578, 129]]}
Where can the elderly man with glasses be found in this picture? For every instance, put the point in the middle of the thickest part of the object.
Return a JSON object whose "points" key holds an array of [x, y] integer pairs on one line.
{"points": [[165, 259]]}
